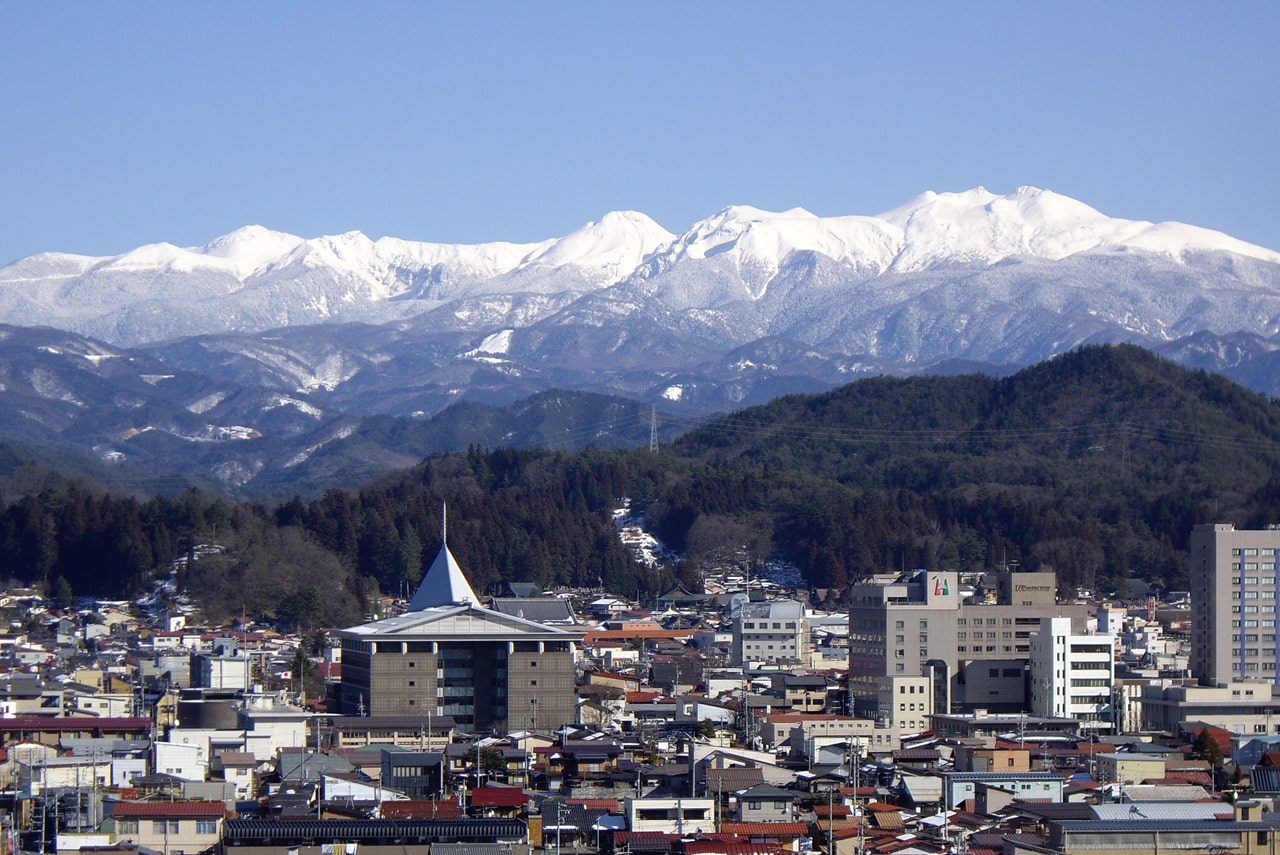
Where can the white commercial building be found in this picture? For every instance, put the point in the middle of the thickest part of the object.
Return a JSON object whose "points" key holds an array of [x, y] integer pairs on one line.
{"points": [[773, 631], [1072, 675]]}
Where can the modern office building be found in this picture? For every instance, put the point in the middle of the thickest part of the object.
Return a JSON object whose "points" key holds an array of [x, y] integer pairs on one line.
{"points": [[1072, 675], [448, 656], [918, 624], [1234, 583]]}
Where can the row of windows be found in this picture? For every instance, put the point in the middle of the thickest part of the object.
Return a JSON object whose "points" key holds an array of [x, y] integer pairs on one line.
{"points": [[1250, 550], [167, 826], [765, 625]]}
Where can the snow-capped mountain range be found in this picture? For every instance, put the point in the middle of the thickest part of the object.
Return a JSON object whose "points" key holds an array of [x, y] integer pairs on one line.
{"points": [[737, 309], [731, 264]]}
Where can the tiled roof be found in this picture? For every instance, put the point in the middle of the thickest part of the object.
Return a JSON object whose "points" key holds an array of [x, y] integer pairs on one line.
{"points": [[274, 832], [888, 819], [826, 811], [169, 810]]}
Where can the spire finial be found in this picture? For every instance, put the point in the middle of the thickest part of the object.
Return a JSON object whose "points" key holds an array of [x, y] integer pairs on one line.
{"points": [[444, 522]]}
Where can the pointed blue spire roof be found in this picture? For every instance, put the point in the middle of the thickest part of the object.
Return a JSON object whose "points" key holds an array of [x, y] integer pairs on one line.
{"points": [[444, 584]]}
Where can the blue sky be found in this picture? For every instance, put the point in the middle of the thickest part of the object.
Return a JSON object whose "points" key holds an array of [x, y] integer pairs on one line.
{"points": [[130, 123]]}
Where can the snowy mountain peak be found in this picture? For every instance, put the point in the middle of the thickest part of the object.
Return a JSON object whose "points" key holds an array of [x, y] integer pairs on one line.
{"points": [[613, 246], [979, 226], [763, 239], [252, 248]]}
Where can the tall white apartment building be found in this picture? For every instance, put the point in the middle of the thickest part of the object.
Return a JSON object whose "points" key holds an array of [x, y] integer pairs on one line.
{"points": [[1072, 675], [1234, 605]]}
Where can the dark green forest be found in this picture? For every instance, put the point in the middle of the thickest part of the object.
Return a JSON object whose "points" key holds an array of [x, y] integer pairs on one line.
{"points": [[1095, 464]]}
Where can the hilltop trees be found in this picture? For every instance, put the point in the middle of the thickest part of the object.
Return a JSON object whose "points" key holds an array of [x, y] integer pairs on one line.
{"points": [[1095, 465]]}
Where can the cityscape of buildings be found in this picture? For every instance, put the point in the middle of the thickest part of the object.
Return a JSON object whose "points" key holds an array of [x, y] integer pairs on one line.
{"points": [[918, 712]]}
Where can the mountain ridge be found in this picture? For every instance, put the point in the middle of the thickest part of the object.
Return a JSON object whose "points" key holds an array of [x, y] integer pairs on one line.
{"points": [[255, 278], [743, 306]]}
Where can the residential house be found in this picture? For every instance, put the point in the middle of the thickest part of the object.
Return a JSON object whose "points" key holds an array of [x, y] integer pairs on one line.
{"points": [[170, 827], [188, 762], [804, 693], [670, 815], [236, 767], [1129, 767], [501, 802], [764, 803]]}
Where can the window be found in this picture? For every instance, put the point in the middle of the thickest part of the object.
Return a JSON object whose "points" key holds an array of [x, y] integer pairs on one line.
{"points": [[127, 826], [163, 826], [206, 826]]}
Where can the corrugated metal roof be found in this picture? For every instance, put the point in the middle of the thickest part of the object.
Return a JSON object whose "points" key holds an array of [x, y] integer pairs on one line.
{"points": [[421, 809], [49, 723], [470, 848], [1085, 826], [784, 829], [498, 797], [1158, 810]]}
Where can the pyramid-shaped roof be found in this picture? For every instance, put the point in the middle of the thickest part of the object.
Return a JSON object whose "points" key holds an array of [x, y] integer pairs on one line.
{"points": [[444, 585]]}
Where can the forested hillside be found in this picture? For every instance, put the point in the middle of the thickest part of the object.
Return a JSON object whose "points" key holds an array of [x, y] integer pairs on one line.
{"points": [[1095, 464]]}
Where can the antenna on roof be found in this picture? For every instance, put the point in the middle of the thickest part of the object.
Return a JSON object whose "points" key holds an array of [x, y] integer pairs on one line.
{"points": [[444, 522]]}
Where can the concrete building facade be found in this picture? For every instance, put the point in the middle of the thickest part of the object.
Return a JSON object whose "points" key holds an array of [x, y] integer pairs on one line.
{"points": [[1072, 675], [1234, 607], [448, 656], [771, 631], [917, 624]]}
